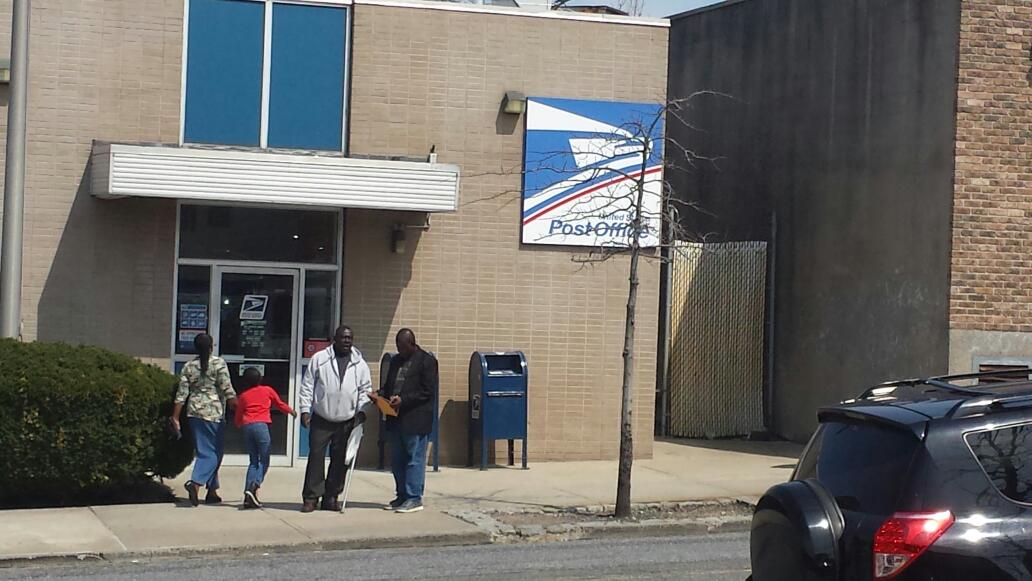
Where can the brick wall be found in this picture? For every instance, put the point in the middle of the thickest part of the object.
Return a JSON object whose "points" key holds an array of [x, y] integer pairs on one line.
{"points": [[97, 271], [425, 77], [992, 229]]}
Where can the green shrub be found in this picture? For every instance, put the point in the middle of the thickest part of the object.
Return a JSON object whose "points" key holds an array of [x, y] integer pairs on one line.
{"points": [[77, 419]]}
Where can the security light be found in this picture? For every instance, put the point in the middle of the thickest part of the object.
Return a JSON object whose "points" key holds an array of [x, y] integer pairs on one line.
{"points": [[398, 239], [514, 102]]}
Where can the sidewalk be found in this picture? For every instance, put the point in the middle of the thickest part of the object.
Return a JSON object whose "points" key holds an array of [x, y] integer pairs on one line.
{"points": [[679, 471]]}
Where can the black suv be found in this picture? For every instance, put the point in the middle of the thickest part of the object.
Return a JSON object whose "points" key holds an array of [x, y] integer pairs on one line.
{"points": [[917, 479]]}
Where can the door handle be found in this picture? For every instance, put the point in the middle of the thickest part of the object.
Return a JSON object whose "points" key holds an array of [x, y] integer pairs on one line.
{"points": [[505, 394]]}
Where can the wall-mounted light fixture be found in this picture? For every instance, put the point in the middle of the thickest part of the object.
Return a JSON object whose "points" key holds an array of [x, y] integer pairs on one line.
{"points": [[398, 239], [398, 236], [514, 102], [5, 71]]}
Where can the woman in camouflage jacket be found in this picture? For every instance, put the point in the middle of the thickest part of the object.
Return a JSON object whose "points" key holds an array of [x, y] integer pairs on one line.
{"points": [[206, 390]]}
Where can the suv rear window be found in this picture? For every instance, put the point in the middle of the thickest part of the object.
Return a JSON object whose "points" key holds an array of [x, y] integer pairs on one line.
{"points": [[1006, 457], [863, 465]]}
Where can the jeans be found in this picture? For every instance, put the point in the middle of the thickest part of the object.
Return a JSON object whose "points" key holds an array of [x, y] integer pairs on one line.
{"points": [[258, 442], [209, 439], [408, 463], [327, 485]]}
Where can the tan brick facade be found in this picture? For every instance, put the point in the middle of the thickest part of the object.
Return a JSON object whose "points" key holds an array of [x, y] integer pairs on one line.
{"points": [[97, 271], [101, 271], [992, 217], [425, 77]]}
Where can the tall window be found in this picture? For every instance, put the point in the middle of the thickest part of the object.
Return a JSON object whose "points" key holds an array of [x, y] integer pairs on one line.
{"points": [[224, 72], [237, 96]]}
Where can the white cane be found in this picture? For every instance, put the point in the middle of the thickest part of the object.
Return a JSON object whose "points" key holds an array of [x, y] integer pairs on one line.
{"points": [[350, 458]]}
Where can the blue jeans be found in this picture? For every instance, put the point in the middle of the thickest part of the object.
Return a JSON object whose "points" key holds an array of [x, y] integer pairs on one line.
{"points": [[209, 439], [408, 462], [258, 442]]}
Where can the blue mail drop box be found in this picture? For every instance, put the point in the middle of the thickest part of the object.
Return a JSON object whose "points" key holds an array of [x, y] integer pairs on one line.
{"points": [[497, 402]]}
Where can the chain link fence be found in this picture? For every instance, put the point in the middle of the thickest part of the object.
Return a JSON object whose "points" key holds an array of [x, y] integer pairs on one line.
{"points": [[718, 295]]}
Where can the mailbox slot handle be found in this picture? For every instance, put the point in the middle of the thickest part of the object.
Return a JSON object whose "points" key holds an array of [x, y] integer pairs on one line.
{"points": [[505, 394]]}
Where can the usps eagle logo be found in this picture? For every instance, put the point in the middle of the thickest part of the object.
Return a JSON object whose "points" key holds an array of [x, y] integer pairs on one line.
{"points": [[583, 161]]}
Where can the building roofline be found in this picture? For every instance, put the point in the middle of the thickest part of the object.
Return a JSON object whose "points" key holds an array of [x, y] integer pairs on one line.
{"points": [[506, 11], [702, 9]]}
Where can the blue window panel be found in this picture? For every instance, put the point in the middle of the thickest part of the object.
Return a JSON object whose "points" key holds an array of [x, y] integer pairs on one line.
{"points": [[224, 72], [306, 88]]}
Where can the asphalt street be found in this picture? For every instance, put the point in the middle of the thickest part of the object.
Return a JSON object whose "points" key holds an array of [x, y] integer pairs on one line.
{"points": [[723, 557]]}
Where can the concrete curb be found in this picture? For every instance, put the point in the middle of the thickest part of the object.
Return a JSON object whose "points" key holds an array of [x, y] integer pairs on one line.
{"points": [[446, 540], [501, 532], [489, 530], [651, 528]]}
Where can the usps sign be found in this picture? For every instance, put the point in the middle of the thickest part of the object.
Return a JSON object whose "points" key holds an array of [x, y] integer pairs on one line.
{"points": [[582, 166], [253, 307]]}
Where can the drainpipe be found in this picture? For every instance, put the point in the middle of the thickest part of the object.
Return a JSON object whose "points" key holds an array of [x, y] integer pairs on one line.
{"points": [[14, 177], [662, 427], [768, 392]]}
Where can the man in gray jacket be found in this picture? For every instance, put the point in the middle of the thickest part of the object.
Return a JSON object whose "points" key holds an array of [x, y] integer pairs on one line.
{"points": [[334, 391]]}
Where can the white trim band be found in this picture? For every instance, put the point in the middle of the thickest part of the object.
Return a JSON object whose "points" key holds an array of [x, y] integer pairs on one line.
{"points": [[507, 11]]}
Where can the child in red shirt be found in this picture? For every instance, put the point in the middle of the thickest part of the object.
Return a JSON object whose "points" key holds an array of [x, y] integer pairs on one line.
{"points": [[253, 418]]}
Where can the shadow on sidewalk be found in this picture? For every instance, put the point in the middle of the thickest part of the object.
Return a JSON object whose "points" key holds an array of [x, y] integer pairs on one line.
{"points": [[296, 506], [225, 504], [778, 448]]}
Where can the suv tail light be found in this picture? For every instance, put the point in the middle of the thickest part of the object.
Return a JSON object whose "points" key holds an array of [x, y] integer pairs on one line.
{"points": [[902, 539]]}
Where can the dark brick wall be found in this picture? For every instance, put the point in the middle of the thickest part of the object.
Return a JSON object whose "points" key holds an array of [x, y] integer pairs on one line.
{"points": [[992, 216]]}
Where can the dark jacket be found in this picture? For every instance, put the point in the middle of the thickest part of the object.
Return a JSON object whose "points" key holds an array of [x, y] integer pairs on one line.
{"points": [[416, 414]]}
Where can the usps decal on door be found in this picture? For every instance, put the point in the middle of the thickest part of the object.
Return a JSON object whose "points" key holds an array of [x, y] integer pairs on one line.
{"points": [[253, 307]]}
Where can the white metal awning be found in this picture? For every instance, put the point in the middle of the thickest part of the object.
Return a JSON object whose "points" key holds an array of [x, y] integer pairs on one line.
{"points": [[259, 176]]}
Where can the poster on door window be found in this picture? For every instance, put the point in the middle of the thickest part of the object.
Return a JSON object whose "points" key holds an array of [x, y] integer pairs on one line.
{"points": [[259, 366], [193, 316], [313, 346], [186, 339], [253, 307], [252, 335]]}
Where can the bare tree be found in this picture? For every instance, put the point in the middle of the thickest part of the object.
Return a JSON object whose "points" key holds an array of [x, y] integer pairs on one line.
{"points": [[631, 7], [634, 213]]}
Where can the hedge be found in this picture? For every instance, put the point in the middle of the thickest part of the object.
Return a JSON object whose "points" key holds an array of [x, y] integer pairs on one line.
{"points": [[75, 419]]}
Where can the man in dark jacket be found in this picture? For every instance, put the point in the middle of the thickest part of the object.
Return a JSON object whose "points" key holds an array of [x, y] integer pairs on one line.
{"points": [[410, 386]]}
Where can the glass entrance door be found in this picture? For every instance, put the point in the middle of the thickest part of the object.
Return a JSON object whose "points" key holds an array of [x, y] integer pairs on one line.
{"points": [[256, 326]]}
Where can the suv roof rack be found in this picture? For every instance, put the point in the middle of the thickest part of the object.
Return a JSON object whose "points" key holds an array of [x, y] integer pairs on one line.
{"points": [[981, 397], [943, 382]]}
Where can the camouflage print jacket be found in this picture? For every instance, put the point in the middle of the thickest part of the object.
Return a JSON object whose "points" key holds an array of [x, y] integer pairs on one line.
{"points": [[205, 395]]}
